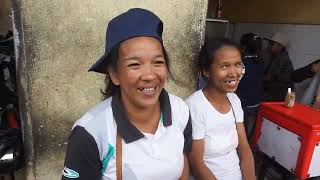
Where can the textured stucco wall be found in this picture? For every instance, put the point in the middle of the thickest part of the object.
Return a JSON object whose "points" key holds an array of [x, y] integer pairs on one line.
{"points": [[60, 40]]}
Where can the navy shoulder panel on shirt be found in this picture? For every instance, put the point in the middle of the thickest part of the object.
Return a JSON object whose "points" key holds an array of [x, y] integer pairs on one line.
{"points": [[187, 133], [82, 160]]}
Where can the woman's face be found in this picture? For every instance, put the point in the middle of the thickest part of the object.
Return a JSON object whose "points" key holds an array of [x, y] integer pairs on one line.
{"points": [[141, 71], [225, 70], [275, 48]]}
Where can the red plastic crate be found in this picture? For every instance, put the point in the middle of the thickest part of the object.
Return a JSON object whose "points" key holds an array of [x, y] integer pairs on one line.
{"points": [[300, 120]]}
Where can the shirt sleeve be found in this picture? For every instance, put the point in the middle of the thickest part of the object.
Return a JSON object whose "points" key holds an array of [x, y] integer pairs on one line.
{"points": [[82, 161], [198, 125], [236, 106], [302, 74], [188, 136]]}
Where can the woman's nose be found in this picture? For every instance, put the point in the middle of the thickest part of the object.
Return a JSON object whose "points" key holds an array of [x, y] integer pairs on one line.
{"points": [[235, 71], [147, 73]]}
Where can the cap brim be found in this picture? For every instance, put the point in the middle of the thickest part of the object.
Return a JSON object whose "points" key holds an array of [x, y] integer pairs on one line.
{"points": [[274, 41], [100, 66], [268, 39]]}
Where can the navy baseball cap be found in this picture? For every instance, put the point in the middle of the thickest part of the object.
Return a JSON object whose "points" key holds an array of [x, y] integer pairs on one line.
{"points": [[135, 22]]}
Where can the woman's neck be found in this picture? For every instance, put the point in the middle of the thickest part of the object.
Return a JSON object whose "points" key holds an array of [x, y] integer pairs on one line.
{"points": [[145, 119], [217, 98]]}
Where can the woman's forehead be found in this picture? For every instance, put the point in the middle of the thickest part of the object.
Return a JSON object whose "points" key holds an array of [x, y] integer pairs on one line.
{"points": [[141, 40], [140, 46], [226, 53]]}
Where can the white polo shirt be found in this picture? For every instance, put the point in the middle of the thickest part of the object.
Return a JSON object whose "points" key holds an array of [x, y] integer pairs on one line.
{"points": [[219, 133], [91, 150]]}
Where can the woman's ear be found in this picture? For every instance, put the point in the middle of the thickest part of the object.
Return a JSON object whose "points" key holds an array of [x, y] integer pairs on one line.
{"points": [[205, 72], [113, 76]]}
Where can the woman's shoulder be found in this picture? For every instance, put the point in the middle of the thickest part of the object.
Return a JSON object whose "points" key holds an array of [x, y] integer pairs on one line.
{"points": [[177, 102], [95, 120], [179, 111], [195, 98], [233, 98], [176, 99]]}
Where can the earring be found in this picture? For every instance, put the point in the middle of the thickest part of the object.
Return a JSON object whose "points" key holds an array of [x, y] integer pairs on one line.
{"points": [[243, 71]]}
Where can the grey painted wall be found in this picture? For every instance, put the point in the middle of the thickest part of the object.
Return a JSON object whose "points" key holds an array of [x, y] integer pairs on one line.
{"points": [[59, 40]]}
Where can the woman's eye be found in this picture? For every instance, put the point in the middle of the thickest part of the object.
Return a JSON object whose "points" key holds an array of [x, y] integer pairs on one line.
{"points": [[223, 66], [133, 65], [160, 62], [239, 65]]}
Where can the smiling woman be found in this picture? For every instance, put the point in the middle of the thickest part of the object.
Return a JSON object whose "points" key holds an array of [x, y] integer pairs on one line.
{"points": [[139, 125], [141, 72], [220, 149]]}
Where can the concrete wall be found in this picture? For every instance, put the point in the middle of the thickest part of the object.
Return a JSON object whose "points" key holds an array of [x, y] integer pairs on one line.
{"points": [[57, 41], [5, 19]]}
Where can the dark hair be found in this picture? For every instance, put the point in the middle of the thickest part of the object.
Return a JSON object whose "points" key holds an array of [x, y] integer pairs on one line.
{"points": [[112, 60], [251, 43], [209, 49]]}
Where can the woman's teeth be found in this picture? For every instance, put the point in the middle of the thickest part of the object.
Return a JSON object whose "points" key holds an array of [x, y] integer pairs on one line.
{"points": [[147, 90], [234, 82]]}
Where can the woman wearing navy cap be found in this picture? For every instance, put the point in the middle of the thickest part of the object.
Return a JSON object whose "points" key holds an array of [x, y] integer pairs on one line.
{"points": [[139, 131]]}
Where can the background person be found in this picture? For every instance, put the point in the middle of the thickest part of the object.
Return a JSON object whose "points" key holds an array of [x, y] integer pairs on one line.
{"points": [[277, 78], [311, 95], [250, 87], [306, 72]]}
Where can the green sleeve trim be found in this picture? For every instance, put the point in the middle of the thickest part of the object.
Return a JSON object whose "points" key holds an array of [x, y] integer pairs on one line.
{"points": [[161, 118], [106, 159]]}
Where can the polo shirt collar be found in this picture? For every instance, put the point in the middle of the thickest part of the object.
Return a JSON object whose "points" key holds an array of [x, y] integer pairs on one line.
{"points": [[126, 129]]}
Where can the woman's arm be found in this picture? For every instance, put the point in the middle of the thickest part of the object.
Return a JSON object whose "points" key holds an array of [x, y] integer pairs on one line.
{"points": [[187, 133], [199, 170], [82, 161], [245, 154], [185, 172]]}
